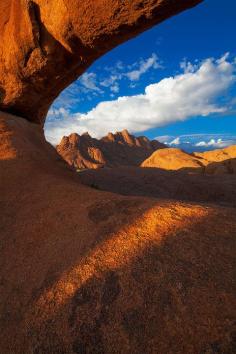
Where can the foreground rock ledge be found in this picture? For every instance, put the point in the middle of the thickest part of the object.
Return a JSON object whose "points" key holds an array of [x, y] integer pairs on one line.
{"points": [[85, 271], [46, 45]]}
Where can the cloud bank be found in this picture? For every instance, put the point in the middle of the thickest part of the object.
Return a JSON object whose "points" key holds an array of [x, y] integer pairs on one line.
{"points": [[194, 92], [198, 142]]}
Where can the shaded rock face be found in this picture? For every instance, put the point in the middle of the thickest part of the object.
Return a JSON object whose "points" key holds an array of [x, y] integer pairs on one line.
{"points": [[174, 174], [46, 45], [160, 183], [220, 161], [117, 149]]}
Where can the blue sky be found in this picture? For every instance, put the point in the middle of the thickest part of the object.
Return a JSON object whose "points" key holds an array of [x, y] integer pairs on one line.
{"points": [[200, 36]]}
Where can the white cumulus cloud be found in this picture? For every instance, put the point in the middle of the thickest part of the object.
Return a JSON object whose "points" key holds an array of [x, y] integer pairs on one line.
{"points": [[199, 142], [191, 93], [213, 143]]}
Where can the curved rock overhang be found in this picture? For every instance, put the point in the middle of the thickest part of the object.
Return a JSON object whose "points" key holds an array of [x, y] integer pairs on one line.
{"points": [[46, 45]]}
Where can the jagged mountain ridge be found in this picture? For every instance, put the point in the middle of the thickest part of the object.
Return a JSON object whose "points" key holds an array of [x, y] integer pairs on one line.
{"points": [[124, 149], [119, 149]]}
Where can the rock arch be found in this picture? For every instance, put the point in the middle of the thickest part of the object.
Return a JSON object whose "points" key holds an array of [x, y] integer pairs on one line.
{"points": [[74, 276], [46, 45]]}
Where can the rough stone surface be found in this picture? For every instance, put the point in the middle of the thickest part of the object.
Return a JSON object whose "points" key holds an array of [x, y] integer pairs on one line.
{"points": [[219, 161], [45, 45], [188, 184], [85, 271], [172, 159], [117, 149]]}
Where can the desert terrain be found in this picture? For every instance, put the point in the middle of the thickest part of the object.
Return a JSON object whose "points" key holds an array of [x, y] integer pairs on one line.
{"points": [[137, 170], [84, 270]]}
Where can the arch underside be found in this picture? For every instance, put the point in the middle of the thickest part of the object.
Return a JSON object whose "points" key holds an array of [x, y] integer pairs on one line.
{"points": [[46, 45]]}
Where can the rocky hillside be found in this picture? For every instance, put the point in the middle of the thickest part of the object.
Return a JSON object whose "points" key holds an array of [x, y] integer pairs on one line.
{"points": [[119, 149], [124, 149], [172, 159], [220, 161]]}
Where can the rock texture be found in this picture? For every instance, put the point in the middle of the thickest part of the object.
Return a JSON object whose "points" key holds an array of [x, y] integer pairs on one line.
{"points": [[45, 45], [217, 155], [185, 185], [172, 159], [219, 161], [124, 149], [118, 149], [85, 271]]}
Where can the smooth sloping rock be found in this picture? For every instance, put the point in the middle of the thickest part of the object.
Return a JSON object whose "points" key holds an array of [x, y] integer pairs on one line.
{"points": [[85, 271], [217, 155], [159, 183], [219, 161], [46, 45], [172, 159]]}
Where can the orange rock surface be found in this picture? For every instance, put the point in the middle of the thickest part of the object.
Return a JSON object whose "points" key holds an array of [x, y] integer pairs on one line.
{"points": [[172, 159], [218, 155], [112, 150], [219, 161], [184, 184], [46, 45], [85, 271]]}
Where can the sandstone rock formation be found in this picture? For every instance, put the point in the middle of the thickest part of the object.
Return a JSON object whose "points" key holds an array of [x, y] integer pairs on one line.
{"points": [[123, 149], [185, 185], [217, 155], [85, 271], [219, 161], [45, 45], [172, 159], [118, 149], [174, 174]]}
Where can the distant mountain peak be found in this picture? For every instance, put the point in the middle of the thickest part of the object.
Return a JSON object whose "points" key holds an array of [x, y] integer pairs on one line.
{"points": [[120, 148], [86, 134]]}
